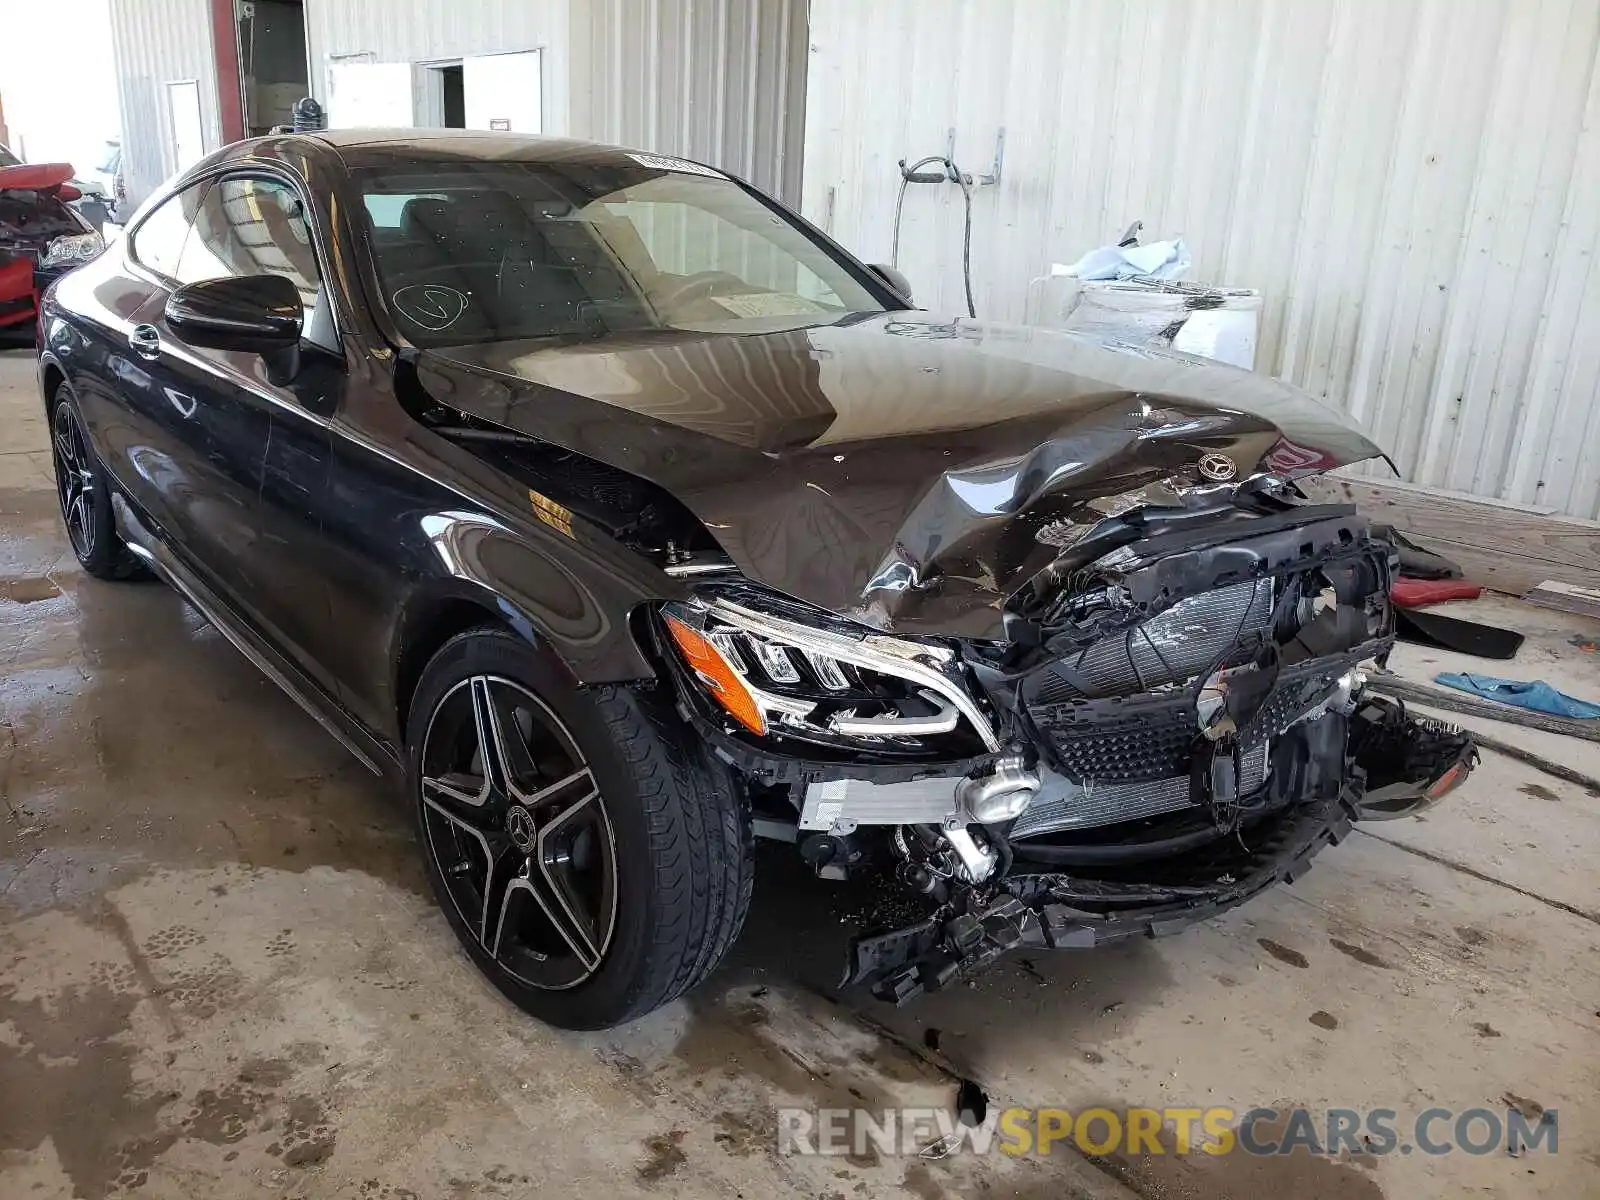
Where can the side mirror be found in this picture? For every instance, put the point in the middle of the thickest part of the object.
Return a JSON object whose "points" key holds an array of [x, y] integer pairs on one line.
{"points": [[253, 314], [898, 283]]}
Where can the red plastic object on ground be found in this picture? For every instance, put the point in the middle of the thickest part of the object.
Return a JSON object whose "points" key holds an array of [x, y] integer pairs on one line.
{"points": [[1417, 593], [16, 283], [34, 177]]}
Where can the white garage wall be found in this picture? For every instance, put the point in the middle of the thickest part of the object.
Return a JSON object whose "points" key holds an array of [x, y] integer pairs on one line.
{"points": [[431, 30], [1415, 184], [720, 81], [158, 42]]}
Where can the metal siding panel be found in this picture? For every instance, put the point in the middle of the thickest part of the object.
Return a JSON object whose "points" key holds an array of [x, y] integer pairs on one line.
{"points": [[1558, 424], [720, 81], [156, 42], [1415, 186], [418, 31]]}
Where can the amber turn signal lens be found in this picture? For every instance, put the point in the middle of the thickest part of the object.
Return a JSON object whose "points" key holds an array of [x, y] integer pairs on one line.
{"points": [[721, 680]]}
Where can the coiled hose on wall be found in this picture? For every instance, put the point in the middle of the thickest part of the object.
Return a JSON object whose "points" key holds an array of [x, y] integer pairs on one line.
{"points": [[951, 174]]}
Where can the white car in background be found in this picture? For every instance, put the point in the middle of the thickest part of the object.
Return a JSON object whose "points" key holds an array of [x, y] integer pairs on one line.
{"points": [[103, 185]]}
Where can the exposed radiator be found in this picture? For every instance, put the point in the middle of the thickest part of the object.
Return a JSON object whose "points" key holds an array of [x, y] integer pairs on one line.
{"points": [[1171, 647]]}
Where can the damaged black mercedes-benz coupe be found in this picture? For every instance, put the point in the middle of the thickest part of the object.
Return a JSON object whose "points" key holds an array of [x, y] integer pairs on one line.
{"points": [[625, 518]]}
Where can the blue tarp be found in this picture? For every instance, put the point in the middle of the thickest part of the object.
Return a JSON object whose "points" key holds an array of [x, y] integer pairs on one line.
{"points": [[1538, 695]]}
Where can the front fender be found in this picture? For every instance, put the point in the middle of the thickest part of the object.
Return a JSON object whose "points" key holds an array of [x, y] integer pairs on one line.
{"points": [[485, 562]]}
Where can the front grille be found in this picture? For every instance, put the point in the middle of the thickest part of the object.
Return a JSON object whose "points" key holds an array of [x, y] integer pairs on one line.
{"points": [[1126, 741], [1080, 807], [1171, 647], [1143, 739]]}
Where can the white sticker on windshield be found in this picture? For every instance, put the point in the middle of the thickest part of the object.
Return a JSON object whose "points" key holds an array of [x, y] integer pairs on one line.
{"points": [[662, 163], [431, 305], [769, 304]]}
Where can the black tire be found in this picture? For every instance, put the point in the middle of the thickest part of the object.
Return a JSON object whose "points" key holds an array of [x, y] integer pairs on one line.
{"points": [[680, 845], [84, 492]]}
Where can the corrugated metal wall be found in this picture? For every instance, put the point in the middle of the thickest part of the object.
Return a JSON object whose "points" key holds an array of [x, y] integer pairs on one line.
{"points": [[718, 80], [157, 42], [431, 30], [1414, 184], [722, 81]]}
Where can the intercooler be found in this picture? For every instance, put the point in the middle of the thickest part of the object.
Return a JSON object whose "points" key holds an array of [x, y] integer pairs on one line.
{"points": [[1063, 805]]}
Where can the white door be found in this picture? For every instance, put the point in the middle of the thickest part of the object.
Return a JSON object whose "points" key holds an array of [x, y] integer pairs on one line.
{"points": [[503, 92], [362, 94], [188, 137]]}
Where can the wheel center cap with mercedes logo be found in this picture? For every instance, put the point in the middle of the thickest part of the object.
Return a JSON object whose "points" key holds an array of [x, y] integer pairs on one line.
{"points": [[519, 824], [1218, 468]]}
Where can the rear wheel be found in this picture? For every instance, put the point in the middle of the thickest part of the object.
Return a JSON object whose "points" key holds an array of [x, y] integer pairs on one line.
{"points": [[592, 861], [85, 495]]}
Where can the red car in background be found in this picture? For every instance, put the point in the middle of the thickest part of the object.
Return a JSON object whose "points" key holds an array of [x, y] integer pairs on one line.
{"points": [[42, 237]]}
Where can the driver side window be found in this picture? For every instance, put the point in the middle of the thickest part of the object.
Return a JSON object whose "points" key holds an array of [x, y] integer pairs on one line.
{"points": [[252, 227]]}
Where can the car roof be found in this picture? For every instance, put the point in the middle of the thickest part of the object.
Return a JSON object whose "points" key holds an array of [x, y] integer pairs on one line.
{"points": [[388, 147]]}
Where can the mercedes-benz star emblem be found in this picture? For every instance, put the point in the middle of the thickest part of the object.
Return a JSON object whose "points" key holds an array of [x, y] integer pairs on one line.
{"points": [[1218, 468], [519, 824]]}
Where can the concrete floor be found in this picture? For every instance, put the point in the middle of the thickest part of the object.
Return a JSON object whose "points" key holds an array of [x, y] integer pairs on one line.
{"points": [[220, 973]]}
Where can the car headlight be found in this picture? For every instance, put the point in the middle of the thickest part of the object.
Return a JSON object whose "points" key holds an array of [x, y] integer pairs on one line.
{"points": [[70, 251], [781, 678]]}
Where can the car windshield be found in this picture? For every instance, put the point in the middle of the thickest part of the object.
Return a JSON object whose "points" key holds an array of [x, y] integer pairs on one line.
{"points": [[8, 159], [486, 252]]}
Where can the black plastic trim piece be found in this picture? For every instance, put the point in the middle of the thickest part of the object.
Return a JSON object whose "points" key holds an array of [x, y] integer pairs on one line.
{"points": [[902, 964]]}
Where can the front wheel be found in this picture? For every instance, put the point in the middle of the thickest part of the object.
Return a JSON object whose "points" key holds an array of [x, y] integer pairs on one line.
{"points": [[592, 860]]}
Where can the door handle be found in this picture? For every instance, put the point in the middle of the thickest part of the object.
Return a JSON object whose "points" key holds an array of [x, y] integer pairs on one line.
{"points": [[145, 341]]}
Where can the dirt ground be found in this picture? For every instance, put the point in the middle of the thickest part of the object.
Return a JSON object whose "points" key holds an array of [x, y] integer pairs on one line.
{"points": [[221, 975]]}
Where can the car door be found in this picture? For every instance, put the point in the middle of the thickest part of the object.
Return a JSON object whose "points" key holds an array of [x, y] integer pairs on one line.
{"points": [[267, 436], [221, 431], [143, 433]]}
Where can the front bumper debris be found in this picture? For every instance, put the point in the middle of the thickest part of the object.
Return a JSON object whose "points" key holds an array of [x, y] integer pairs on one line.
{"points": [[1059, 912], [1414, 760]]}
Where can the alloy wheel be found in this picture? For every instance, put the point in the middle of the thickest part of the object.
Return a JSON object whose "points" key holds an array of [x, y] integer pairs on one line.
{"points": [[519, 832], [74, 481]]}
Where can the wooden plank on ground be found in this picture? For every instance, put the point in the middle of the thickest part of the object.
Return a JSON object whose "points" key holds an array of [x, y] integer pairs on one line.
{"points": [[1566, 597], [1509, 547]]}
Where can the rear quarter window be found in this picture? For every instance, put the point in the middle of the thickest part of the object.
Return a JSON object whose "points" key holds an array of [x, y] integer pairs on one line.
{"points": [[158, 241]]}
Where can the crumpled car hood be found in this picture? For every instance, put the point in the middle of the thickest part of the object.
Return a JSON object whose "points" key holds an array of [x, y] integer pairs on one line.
{"points": [[897, 467]]}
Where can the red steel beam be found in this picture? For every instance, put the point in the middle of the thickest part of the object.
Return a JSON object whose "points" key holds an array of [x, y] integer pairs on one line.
{"points": [[230, 95]]}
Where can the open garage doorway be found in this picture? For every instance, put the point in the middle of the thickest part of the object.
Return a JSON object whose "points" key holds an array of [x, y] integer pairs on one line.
{"points": [[273, 73], [497, 92], [444, 96]]}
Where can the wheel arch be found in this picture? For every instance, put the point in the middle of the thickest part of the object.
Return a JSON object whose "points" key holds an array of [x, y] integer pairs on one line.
{"points": [[51, 376], [432, 617], [430, 620]]}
